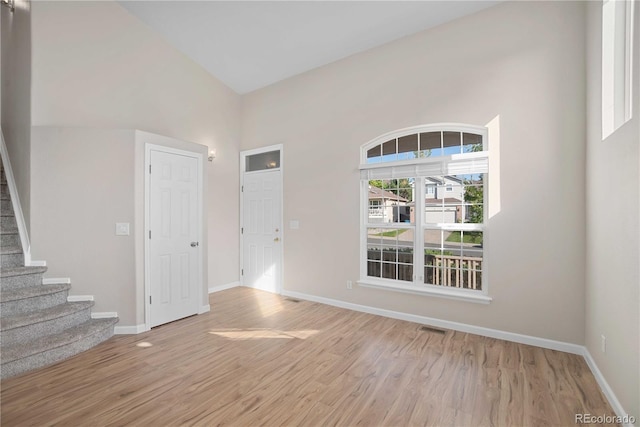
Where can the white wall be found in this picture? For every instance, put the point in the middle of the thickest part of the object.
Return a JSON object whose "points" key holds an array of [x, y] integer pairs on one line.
{"points": [[520, 62], [16, 95], [613, 230], [97, 66]]}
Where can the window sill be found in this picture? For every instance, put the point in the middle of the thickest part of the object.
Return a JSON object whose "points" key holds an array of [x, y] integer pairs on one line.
{"points": [[429, 290]]}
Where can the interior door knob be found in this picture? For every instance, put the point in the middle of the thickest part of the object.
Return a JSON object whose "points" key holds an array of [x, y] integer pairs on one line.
{"points": [[194, 244], [276, 239]]}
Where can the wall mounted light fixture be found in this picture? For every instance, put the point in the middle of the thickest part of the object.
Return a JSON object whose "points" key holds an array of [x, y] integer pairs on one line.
{"points": [[9, 3], [212, 153]]}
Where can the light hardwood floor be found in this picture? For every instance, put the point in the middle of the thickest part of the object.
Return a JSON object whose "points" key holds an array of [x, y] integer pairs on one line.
{"points": [[260, 359]]}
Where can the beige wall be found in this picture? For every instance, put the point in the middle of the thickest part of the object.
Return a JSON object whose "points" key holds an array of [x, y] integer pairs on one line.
{"points": [[613, 230], [96, 66], [522, 62], [16, 96], [82, 184], [78, 197]]}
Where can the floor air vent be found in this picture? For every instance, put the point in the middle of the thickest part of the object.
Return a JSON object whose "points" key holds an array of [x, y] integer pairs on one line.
{"points": [[430, 329]]}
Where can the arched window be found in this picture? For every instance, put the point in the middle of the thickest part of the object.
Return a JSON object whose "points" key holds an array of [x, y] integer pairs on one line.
{"points": [[423, 198]]}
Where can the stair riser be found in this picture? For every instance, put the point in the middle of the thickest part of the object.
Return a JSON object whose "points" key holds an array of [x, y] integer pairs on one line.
{"points": [[7, 222], [27, 305], [23, 281], [9, 240], [5, 206], [41, 329], [54, 355], [11, 260]]}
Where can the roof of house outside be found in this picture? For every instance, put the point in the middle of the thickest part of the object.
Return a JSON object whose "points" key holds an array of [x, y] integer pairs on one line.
{"points": [[379, 193], [439, 202], [437, 180]]}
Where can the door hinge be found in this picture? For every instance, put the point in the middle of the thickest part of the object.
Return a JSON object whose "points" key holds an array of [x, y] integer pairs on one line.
{"points": [[149, 168], [149, 233], [149, 299], [242, 189], [242, 230], [242, 272]]}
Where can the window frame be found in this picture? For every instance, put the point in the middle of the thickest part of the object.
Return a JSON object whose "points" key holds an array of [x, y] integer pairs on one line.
{"points": [[616, 65], [417, 286]]}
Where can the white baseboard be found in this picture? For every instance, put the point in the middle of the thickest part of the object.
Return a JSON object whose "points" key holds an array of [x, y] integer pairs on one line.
{"points": [[76, 298], [31, 263], [219, 288], [56, 281], [445, 324], [104, 315], [204, 309], [129, 330], [606, 389]]}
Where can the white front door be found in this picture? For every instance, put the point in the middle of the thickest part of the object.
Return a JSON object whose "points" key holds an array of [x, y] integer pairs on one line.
{"points": [[174, 232], [262, 230]]}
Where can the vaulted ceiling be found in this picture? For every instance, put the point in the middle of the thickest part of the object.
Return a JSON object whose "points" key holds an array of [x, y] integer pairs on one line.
{"points": [[251, 44]]}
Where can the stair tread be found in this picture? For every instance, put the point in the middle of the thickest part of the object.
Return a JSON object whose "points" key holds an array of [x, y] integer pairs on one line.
{"points": [[20, 320], [10, 250], [32, 291], [9, 231], [21, 271], [68, 336]]}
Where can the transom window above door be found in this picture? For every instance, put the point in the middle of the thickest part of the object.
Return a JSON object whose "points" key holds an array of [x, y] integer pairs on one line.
{"points": [[423, 209]]}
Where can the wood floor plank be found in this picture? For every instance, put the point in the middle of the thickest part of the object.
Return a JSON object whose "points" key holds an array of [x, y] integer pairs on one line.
{"points": [[261, 359]]}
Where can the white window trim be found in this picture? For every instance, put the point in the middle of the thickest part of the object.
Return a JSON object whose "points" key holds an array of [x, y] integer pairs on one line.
{"points": [[617, 65], [415, 287]]}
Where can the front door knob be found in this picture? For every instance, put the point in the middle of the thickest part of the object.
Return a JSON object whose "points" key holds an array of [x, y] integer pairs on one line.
{"points": [[194, 244]]}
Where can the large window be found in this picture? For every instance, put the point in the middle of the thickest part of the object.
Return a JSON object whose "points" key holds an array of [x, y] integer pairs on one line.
{"points": [[423, 211]]}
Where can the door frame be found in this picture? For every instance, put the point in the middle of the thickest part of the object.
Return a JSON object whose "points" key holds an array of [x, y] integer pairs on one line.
{"points": [[148, 147], [243, 156]]}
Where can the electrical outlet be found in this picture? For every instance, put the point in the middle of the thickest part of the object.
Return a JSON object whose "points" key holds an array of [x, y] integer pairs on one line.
{"points": [[603, 343], [349, 284]]}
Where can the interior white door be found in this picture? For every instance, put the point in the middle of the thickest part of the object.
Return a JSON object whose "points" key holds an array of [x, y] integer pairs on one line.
{"points": [[174, 258], [261, 234]]}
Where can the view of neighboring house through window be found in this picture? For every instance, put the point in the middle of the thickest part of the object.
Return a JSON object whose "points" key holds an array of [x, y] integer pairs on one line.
{"points": [[424, 192]]}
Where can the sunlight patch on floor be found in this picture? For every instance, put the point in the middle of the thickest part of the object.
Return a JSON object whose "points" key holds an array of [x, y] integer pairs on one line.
{"points": [[250, 334]]}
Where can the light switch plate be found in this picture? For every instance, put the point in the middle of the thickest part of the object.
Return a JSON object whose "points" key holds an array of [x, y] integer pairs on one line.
{"points": [[122, 228]]}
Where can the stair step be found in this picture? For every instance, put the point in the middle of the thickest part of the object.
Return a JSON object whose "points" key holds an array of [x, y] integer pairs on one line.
{"points": [[23, 328], [20, 277], [4, 189], [20, 358], [34, 298], [9, 239], [6, 208], [11, 258], [8, 222], [8, 250]]}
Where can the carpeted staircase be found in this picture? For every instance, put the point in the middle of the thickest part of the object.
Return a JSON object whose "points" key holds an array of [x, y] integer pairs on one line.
{"points": [[38, 326]]}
